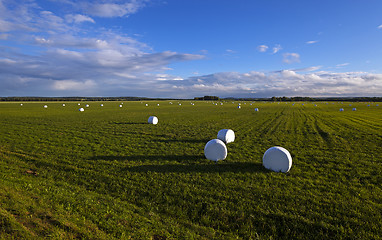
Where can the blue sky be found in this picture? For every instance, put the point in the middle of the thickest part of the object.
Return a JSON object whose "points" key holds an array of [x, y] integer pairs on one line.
{"points": [[188, 48]]}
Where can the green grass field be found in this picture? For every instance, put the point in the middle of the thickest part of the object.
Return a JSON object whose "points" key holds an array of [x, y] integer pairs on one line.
{"points": [[107, 174]]}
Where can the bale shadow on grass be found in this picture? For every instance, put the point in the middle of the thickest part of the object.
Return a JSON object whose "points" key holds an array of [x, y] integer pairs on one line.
{"points": [[150, 158], [200, 168], [130, 123]]}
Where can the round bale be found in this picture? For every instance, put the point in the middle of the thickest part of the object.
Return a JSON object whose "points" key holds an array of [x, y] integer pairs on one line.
{"points": [[226, 135], [81, 109], [215, 150], [153, 120], [277, 159]]}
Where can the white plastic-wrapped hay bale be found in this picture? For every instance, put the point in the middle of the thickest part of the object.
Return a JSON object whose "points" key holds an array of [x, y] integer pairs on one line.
{"points": [[101, 104], [21, 104], [239, 106], [120, 105], [153, 120], [45, 106], [341, 109], [81, 109], [354, 109], [63, 104], [277, 159], [256, 109], [226, 135], [87, 105], [158, 104], [215, 150], [79, 104], [146, 105]]}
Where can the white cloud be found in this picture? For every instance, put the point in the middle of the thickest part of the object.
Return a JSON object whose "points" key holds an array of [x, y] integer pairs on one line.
{"points": [[78, 18], [73, 85], [307, 69], [342, 65], [262, 48], [312, 42], [276, 48], [230, 51], [380, 26], [112, 9], [282, 83], [291, 58]]}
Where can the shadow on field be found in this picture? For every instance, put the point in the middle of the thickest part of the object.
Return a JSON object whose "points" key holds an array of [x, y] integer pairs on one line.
{"points": [[150, 158], [202, 168], [183, 140], [130, 123]]}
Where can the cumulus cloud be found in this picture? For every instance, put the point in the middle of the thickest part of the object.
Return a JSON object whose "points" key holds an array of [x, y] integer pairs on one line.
{"points": [[291, 58], [281, 83], [312, 42], [380, 26], [66, 60], [262, 48]]}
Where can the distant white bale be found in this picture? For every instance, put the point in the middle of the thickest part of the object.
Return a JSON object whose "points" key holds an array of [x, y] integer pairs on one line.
{"points": [[120, 105], [87, 105], [45, 106], [215, 150], [277, 159], [226, 135], [81, 109], [377, 105], [79, 104], [21, 104], [180, 104], [153, 120], [101, 104], [146, 105], [341, 109], [354, 109], [63, 104], [170, 102], [239, 103], [256, 109], [238, 106]]}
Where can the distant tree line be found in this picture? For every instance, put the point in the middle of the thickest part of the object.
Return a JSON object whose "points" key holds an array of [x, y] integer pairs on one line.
{"points": [[214, 98], [205, 98]]}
